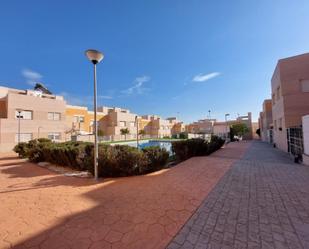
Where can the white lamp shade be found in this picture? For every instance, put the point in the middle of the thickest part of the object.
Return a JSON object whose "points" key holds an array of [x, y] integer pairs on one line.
{"points": [[94, 56]]}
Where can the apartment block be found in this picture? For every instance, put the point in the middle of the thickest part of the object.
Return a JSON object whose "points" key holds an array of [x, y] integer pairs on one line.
{"points": [[266, 122], [290, 101], [79, 120], [37, 114], [201, 126], [222, 129], [117, 119], [158, 127]]}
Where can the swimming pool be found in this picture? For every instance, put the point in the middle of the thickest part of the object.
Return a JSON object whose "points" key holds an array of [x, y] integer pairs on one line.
{"points": [[147, 143]]}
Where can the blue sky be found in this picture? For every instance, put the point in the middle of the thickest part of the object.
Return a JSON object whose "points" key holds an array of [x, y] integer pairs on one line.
{"points": [[172, 58]]}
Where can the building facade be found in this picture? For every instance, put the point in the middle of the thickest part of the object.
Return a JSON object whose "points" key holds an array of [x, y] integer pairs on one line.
{"points": [[80, 121], [266, 122], [42, 115], [27, 114], [290, 101]]}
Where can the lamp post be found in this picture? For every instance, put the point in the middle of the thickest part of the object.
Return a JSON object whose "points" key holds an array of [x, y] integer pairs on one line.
{"points": [[226, 115], [19, 117], [95, 57], [39, 131], [137, 138]]}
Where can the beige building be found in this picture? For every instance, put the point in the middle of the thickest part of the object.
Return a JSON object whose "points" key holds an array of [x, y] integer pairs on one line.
{"points": [[222, 129], [158, 127], [290, 101], [48, 116], [266, 122], [116, 120], [39, 115], [203, 126]]}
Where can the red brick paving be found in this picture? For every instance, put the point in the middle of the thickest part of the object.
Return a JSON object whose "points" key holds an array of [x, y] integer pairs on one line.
{"points": [[40, 209]]}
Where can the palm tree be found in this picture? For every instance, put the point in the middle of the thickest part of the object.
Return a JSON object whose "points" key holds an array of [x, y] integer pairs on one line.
{"points": [[125, 131], [142, 133]]}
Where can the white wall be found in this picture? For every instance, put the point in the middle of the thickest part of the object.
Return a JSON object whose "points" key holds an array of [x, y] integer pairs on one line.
{"points": [[306, 139]]}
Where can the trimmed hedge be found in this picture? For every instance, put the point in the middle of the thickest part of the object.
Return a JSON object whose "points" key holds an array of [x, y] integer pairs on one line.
{"points": [[195, 147], [114, 161]]}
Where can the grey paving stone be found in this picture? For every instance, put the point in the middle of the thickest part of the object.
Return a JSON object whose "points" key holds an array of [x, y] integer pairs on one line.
{"points": [[261, 202]]}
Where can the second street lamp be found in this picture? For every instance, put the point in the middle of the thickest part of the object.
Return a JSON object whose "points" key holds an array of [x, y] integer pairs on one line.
{"points": [[95, 57], [19, 111], [226, 130]]}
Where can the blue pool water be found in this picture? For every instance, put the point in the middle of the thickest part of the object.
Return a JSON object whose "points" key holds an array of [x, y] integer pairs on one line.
{"points": [[162, 144]]}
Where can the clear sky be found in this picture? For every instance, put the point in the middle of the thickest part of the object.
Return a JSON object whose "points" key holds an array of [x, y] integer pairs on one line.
{"points": [[171, 58]]}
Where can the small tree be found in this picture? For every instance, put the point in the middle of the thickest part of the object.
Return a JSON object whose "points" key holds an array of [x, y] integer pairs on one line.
{"points": [[100, 133], [258, 131], [239, 129], [142, 132], [125, 131]]}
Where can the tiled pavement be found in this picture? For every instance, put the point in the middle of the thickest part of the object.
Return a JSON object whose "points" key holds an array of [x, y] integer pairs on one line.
{"points": [[261, 202], [43, 210]]}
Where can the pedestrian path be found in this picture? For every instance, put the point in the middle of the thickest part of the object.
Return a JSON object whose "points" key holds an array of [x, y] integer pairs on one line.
{"points": [[261, 202], [44, 210]]}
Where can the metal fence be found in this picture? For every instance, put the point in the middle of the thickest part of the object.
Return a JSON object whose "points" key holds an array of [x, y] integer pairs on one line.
{"points": [[295, 141]]}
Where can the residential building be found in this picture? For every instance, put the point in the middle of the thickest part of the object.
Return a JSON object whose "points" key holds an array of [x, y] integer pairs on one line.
{"points": [[116, 120], [266, 122], [158, 127], [79, 120], [37, 114], [203, 126], [222, 129], [290, 102]]}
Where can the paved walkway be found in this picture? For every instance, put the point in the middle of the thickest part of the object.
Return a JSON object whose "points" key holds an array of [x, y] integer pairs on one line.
{"points": [[261, 202], [40, 209]]}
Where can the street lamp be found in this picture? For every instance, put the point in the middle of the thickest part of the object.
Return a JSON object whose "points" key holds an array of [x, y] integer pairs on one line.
{"points": [[226, 115], [39, 128], [95, 57], [137, 138], [19, 117]]}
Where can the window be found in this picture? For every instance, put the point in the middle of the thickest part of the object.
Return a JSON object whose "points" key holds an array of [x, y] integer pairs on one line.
{"points": [[273, 98], [278, 93], [78, 119], [132, 124], [53, 116], [305, 86], [75, 119], [57, 116], [24, 137], [122, 123], [54, 136], [23, 115]]}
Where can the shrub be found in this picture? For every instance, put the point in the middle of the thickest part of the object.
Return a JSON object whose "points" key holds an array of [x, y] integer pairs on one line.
{"points": [[21, 149], [195, 147], [157, 158], [118, 160], [183, 135]]}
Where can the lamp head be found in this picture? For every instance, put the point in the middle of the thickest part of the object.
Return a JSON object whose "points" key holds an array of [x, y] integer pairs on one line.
{"points": [[94, 56]]}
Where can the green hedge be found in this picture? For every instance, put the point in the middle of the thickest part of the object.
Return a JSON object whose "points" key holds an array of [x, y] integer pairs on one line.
{"points": [[195, 147], [114, 161]]}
